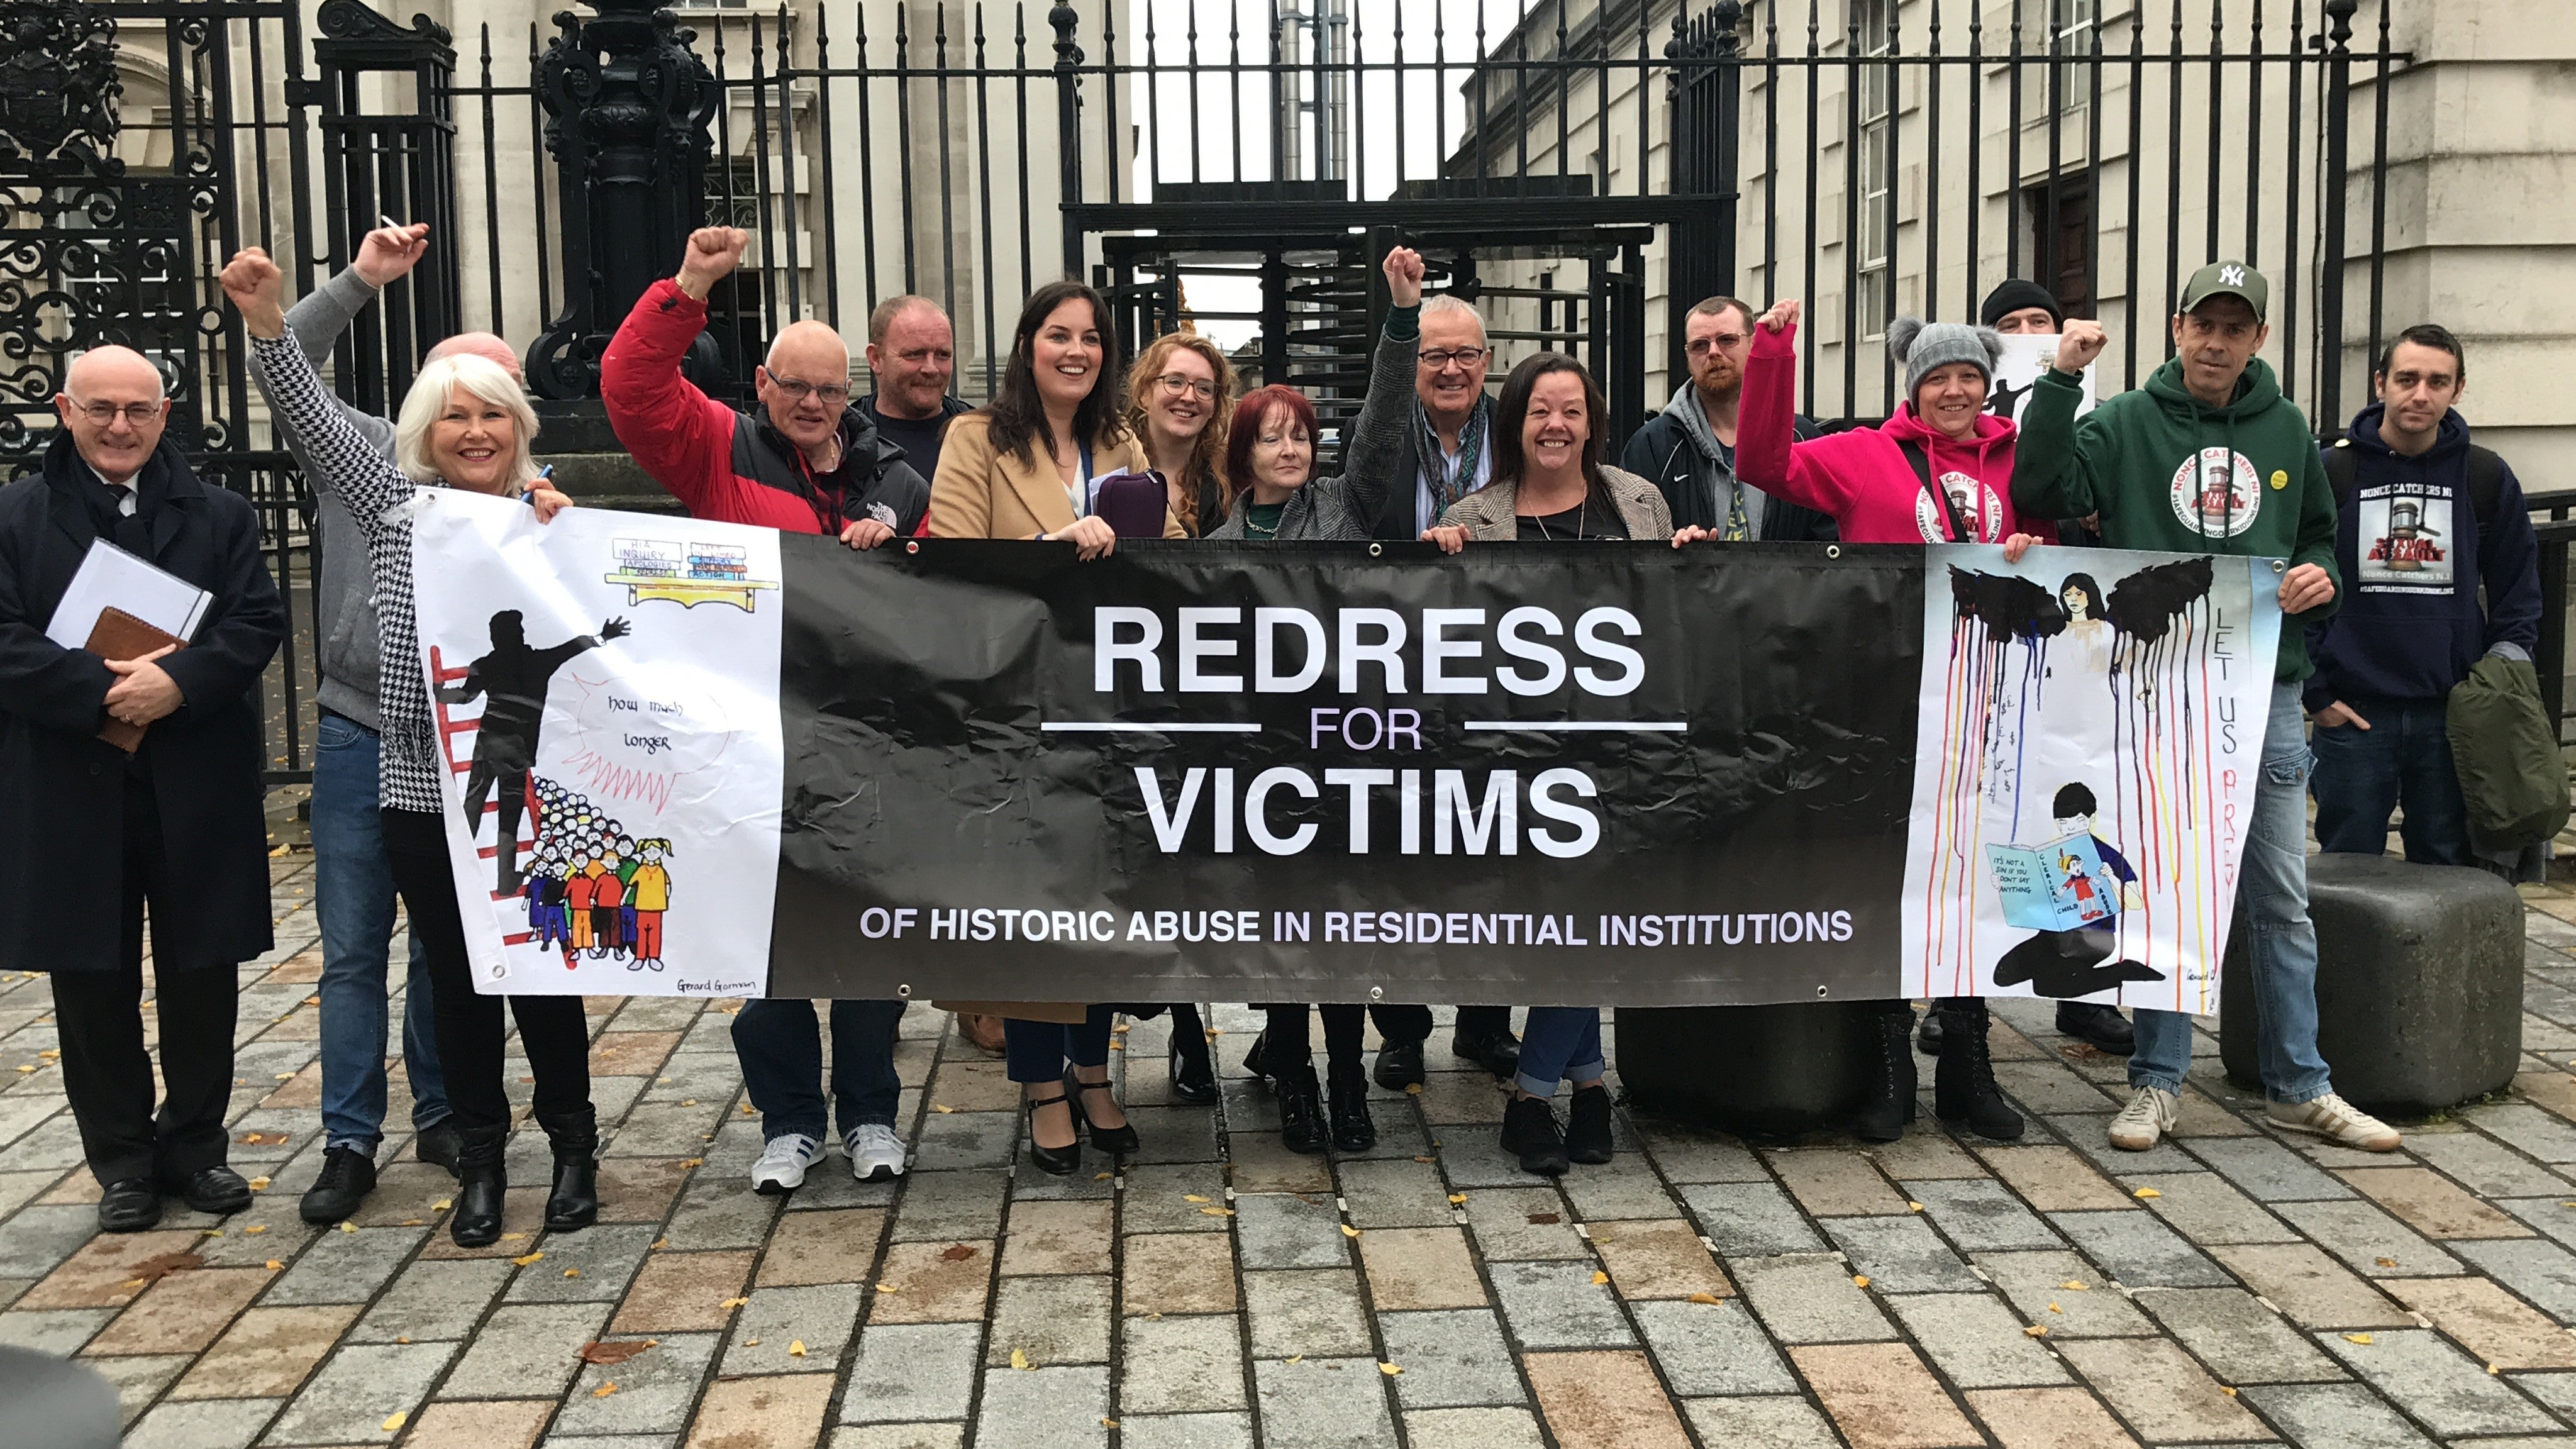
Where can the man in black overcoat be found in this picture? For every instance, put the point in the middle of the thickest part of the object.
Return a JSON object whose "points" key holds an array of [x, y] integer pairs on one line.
{"points": [[89, 834]]}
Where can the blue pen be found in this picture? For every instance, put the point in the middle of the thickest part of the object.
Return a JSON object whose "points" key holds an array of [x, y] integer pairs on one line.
{"points": [[544, 473]]}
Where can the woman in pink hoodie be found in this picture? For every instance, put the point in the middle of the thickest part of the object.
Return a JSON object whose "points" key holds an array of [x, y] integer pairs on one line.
{"points": [[1940, 471]]}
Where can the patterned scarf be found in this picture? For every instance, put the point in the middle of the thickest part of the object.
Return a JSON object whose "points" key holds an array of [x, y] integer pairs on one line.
{"points": [[1448, 487]]}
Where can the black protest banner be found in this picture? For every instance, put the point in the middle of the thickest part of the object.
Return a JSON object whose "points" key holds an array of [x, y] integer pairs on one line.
{"points": [[1576, 773]]}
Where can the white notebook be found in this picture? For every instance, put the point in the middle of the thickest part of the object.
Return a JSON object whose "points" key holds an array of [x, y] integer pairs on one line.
{"points": [[111, 577]]}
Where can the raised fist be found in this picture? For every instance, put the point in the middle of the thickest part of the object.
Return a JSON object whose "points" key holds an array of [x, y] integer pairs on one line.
{"points": [[714, 251], [1404, 272], [2079, 344], [388, 252], [253, 282], [1781, 317]]}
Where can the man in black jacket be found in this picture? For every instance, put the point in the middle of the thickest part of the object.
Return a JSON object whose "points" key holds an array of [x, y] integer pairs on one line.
{"points": [[1688, 449], [912, 354], [89, 833]]}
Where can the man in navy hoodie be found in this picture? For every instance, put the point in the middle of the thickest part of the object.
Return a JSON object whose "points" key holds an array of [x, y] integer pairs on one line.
{"points": [[2427, 520]]}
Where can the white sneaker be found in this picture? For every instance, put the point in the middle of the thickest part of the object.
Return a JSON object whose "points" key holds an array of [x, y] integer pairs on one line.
{"points": [[2336, 1120], [782, 1164], [2151, 1114], [876, 1154]]}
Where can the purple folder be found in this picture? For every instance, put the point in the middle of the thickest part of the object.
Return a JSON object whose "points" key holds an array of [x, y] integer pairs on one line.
{"points": [[1132, 504]]}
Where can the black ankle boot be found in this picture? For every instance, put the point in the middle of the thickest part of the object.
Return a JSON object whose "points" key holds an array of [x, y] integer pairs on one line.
{"points": [[1301, 1108], [1587, 1126], [1193, 1074], [1891, 1068], [574, 1200], [1963, 1084], [1353, 1129], [1530, 1133], [481, 1185]]}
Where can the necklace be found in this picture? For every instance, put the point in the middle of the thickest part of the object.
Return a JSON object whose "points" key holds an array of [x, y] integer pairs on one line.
{"points": [[1581, 512]]}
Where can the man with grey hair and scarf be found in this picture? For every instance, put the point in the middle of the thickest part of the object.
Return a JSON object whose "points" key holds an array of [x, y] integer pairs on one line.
{"points": [[1688, 449]]}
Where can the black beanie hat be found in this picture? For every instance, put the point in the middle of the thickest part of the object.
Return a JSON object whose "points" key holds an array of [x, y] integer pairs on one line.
{"points": [[2016, 294]]}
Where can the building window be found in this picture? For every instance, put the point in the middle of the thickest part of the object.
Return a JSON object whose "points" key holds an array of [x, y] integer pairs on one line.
{"points": [[2061, 231], [2073, 28], [1877, 172], [733, 193]]}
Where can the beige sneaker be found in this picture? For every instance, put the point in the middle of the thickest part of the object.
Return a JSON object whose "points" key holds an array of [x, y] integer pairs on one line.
{"points": [[2144, 1122], [2336, 1120]]}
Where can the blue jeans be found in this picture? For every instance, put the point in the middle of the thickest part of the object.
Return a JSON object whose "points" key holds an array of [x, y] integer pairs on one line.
{"points": [[1037, 1051], [780, 1046], [354, 889], [2273, 891], [1559, 1044], [2403, 758]]}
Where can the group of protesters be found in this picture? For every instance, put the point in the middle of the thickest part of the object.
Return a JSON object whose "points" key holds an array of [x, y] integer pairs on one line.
{"points": [[92, 833]]}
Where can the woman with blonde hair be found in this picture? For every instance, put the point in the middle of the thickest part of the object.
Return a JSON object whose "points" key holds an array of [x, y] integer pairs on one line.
{"points": [[1180, 398], [464, 425]]}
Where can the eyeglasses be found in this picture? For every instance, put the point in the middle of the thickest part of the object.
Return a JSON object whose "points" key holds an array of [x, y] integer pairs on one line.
{"points": [[137, 415], [1174, 384], [833, 394], [1728, 341], [1436, 359]]}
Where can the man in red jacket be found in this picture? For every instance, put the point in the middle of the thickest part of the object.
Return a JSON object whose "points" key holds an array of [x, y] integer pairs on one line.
{"points": [[803, 461]]}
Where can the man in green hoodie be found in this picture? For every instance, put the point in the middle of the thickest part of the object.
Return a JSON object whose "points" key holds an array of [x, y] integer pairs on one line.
{"points": [[2209, 457]]}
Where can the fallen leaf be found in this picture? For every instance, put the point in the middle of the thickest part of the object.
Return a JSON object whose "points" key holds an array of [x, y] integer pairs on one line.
{"points": [[2053, 1308], [1296, 1358], [442, 1205], [572, 1272], [2073, 1285], [795, 1348], [2224, 1389], [2146, 1192], [1020, 1360], [957, 1252], [942, 1108], [1435, 1159], [604, 1390], [1413, 1089], [1109, 1423], [256, 1228], [348, 1227], [2491, 1368], [24, 1068], [1457, 1199], [688, 1101], [693, 1162], [661, 1081], [2036, 1330], [1543, 1219], [525, 1259], [733, 1303], [2360, 1338], [1599, 1277], [414, 1222], [512, 1237], [1703, 1298], [1349, 1232], [313, 1001], [395, 1420], [658, 1245], [259, 1184], [613, 1353], [2387, 1262], [154, 1269], [263, 1139], [1913, 1206], [275, 1265], [1860, 1280], [402, 1338], [50, 1054], [214, 1232], [1102, 1176], [751, 1343], [1196, 1197], [887, 1288], [1217, 1212], [1389, 1370]]}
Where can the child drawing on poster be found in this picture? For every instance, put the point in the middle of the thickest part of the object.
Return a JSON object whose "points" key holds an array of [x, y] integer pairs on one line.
{"points": [[2085, 760]]}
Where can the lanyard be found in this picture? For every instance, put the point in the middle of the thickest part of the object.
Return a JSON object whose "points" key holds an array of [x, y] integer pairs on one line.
{"points": [[1921, 458]]}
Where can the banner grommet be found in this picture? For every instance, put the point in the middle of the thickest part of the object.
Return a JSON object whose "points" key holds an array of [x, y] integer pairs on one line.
{"points": [[903, 991], [1820, 993], [1833, 550], [912, 545], [1377, 550], [1377, 993]]}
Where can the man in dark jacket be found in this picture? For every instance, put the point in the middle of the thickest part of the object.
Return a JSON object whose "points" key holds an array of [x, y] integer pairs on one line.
{"points": [[804, 461], [2428, 521], [1688, 449], [89, 834], [912, 354]]}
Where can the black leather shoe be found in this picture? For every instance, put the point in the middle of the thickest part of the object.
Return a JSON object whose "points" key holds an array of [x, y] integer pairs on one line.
{"points": [[1587, 1126], [1054, 1161], [439, 1143], [348, 1175], [1498, 1053], [2098, 1023], [1963, 1083], [1892, 1080], [1301, 1110], [1193, 1075], [218, 1190], [572, 1202], [1354, 1130], [1399, 1065], [482, 1186], [1529, 1132], [129, 1205], [1927, 1038]]}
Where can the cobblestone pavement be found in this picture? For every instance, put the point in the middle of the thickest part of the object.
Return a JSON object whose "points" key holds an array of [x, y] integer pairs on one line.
{"points": [[2230, 1287]]}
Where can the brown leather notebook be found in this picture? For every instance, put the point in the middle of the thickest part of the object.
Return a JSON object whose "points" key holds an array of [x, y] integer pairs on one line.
{"points": [[120, 636]]}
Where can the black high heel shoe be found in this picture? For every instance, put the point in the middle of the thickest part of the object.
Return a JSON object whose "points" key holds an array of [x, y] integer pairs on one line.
{"points": [[1054, 1161], [1117, 1141]]}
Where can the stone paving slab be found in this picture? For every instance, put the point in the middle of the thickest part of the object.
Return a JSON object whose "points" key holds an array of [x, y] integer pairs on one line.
{"points": [[1220, 1292]]}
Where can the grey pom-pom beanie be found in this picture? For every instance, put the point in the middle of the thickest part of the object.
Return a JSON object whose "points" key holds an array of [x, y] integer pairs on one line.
{"points": [[1923, 346]]}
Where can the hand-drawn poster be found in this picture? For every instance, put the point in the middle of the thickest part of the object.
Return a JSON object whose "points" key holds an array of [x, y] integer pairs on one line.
{"points": [[604, 692], [2026, 356], [2090, 737]]}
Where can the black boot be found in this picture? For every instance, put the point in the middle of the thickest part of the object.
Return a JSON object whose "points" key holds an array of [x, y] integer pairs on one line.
{"points": [[574, 1200], [1301, 1108], [2099, 1023], [481, 1184], [1193, 1074], [1927, 1039], [1891, 1069], [1353, 1129], [1529, 1132], [1963, 1085], [1587, 1126], [1256, 1057]]}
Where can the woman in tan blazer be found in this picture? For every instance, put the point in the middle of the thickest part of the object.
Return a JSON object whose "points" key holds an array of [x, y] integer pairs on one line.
{"points": [[1028, 466]]}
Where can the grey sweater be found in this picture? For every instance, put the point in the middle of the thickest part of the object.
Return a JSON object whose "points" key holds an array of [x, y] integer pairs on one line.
{"points": [[344, 600], [1377, 457]]}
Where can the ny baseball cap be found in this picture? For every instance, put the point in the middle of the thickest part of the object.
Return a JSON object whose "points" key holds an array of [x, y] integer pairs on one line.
{"points": [[2229, 279]]}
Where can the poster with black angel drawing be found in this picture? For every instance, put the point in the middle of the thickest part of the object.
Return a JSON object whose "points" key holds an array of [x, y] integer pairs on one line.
{"points": [[2091, 727]]}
